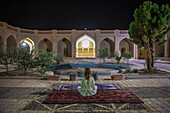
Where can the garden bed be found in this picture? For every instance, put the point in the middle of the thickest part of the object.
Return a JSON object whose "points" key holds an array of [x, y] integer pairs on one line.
{"points": [[31, 73]]}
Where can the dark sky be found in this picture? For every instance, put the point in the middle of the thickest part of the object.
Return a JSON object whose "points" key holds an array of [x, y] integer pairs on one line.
{"points": [[70, 14]]}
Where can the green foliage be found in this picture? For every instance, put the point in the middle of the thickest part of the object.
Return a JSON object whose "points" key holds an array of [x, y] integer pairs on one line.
{"points": [[130, 71], [127, 71], [6, 57], [149, 27], [134, 70], [44, 61], [155, 69], [58, 58], [117, 57], [103, 53], [127, 55], [24, 58], [110, 55]]}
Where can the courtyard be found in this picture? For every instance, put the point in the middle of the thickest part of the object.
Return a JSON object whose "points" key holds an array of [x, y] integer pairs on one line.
{"points": [[19, 94], [85, 56]]}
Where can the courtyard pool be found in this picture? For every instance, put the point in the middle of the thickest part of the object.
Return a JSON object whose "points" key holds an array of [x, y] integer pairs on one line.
{"points": [[99, 68]]}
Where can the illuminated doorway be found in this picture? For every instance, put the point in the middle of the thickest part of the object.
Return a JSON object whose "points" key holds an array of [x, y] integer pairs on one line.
{"points": [[85, 46], [27, 43]]}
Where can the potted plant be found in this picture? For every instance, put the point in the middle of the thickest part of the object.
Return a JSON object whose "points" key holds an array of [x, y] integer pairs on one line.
{"points": [[51, 76], [118, 77]]}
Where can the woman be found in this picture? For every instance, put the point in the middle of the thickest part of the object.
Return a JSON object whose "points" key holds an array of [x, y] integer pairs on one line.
{"points": [[87, 87]]}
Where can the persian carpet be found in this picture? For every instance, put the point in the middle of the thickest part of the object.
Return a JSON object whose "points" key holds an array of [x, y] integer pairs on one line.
{"points": [[102, 96], [99, 86]]}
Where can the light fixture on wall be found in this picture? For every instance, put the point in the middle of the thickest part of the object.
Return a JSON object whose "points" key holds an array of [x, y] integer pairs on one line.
{"points": [[85, 43], [24, 44]]}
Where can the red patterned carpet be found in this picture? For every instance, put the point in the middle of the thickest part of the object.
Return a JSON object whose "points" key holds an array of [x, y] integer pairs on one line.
{"points": [[102, 96]]}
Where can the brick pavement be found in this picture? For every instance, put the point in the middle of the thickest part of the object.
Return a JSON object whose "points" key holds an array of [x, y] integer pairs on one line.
{"points": [[151, 104]]}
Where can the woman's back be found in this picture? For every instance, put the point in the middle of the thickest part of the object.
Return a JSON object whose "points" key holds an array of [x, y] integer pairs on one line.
{"points": [[87, 84], [87, 87]]}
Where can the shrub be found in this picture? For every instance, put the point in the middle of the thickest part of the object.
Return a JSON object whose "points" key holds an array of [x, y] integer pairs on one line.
{"points": [[25, 59], [117, 57], [44, 61], [58, 58], [155, 69], [127, 55], [130, 71], [103, 53], [6, 57], [127, 71], [134, 70]]}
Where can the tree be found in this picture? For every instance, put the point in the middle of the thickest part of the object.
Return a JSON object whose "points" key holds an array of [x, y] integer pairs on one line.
{"points": [[117, 57], [103, 53], [149, 27], [58, 58], [44, 61], [127, 55], [6, 57], [25, 59]]}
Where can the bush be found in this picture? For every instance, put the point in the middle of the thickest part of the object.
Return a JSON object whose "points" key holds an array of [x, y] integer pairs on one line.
{"points": [[110, 55], [134, 70], [127, 71], [103, 53], [58, 58], [127, 55], [130, 71], [6, 57], [44, 61], [155, 69], [24, 59], [117, 57]]}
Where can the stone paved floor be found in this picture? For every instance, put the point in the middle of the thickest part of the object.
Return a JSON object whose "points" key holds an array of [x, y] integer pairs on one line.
{"points": [[25, 96], [154, 93]]}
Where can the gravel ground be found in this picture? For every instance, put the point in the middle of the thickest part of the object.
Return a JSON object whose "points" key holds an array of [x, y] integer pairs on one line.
{"points": [[162, 66], [19, 93], [151, 92]]}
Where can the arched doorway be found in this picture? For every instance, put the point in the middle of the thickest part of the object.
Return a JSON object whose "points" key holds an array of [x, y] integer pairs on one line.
{"points": [[64, 47], [85, 46], [122, 50], [27, 42], [126, 45], [108, 44], [45, 45], [11, 43], [159, 50]]}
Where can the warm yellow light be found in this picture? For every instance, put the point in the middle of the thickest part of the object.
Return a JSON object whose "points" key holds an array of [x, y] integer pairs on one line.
{"points": [[85, 43]]}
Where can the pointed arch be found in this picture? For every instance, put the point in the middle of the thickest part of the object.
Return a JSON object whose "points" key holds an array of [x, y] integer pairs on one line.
{"points": [[127, 45], [64, 47], [46, 45], [28, 41], [108, 44], [85, 46], [11, 43]]}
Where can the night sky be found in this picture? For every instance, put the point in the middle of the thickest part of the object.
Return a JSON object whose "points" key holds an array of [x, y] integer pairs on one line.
{"points": [[70, 14]]}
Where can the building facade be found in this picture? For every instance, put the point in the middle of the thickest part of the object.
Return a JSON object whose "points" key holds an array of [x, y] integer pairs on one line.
{"points": [[76, 43]]}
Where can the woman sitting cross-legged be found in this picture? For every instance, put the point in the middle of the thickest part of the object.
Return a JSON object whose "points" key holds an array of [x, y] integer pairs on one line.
{"points": [[87, 87]]}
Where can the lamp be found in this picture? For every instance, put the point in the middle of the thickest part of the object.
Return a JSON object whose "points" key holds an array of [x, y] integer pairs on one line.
{"points": [[85, 43]]}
